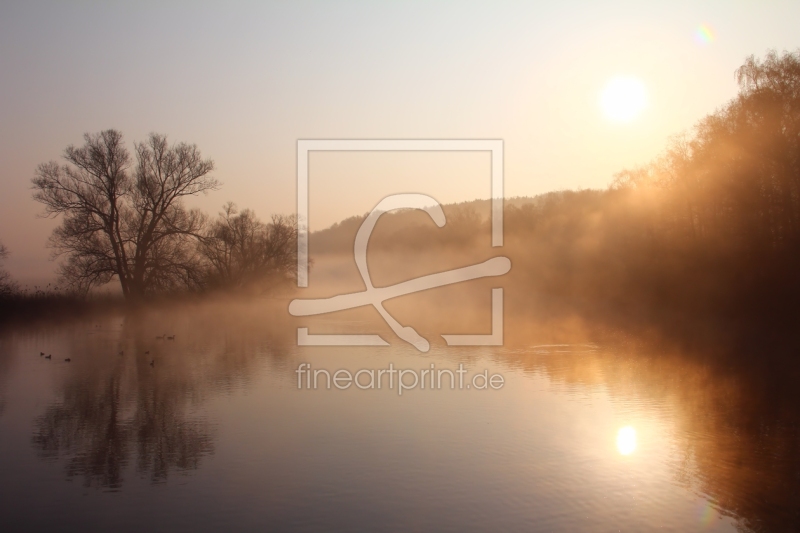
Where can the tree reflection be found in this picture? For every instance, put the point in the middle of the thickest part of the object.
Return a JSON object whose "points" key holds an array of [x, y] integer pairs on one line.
{"points": [[117, 411], [89, 424], [5, 368], [741, 447], [737, 423]]}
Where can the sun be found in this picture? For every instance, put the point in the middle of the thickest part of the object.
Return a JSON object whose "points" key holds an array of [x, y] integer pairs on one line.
{"points": [[623, 99]]}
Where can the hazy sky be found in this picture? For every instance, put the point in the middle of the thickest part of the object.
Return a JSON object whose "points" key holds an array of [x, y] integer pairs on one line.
{"points": [[244, 81]]}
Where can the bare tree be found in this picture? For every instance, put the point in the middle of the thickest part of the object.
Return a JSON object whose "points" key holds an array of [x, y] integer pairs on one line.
{"points": [[239, 249], [6, 285], [280, 252], [121, 222]]}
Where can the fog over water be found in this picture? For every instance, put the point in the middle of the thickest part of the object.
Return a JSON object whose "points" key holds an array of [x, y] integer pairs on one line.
{"points": [[587, 433]]}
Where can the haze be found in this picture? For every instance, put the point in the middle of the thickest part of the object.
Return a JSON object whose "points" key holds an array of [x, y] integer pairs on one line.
{"points": [[245, 81]]}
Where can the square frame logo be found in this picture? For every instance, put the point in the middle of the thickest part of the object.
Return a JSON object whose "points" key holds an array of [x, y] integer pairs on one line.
{"points": [[375, 296]]}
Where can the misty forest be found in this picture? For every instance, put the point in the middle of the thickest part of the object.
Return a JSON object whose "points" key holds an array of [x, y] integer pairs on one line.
{"points": [[703, 240]]}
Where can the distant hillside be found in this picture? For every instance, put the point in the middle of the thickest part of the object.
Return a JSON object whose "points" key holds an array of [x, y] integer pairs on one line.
{"points": [[405, 224]]}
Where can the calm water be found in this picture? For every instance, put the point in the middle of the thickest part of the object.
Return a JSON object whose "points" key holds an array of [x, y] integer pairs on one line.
{"points": [[216, 436]]}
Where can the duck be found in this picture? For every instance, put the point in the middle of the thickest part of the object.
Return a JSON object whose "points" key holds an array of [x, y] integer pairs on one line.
{"points": [[67, 360], [159, 337], [41, 354], [48, 356], [171, 338], [147, 352], [153, 362]]}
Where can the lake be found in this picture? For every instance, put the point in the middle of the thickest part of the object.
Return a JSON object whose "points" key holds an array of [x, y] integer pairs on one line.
{"points": [[209, 431]]}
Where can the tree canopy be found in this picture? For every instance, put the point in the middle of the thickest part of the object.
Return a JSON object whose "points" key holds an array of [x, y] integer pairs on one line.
{"points": [[737, 178], [122, 218]]}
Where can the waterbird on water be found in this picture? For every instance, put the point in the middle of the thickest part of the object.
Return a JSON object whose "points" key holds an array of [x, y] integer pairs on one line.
{"points": [[147, 352], [67, 360], [159, 337], [41, 354], [153, 362], [48, 356], [171, 338]]}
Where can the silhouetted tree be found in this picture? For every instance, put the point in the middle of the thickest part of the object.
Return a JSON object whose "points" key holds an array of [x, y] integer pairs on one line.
{"points": [[121, 222], [6, 285], [240, 249]]}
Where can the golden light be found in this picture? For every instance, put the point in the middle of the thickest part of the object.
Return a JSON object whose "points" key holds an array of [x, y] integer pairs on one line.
{"points": [[626, 440], [623, 98]]}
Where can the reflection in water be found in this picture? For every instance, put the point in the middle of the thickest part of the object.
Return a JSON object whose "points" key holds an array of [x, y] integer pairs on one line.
{"points": [[5, 369], [741, 446], [736, 423], [102, 421], [137, 397], [626, 440], [732, 432]]}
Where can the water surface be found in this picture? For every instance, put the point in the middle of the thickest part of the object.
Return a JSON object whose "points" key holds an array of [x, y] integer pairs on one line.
{"points": [[215, 435]]}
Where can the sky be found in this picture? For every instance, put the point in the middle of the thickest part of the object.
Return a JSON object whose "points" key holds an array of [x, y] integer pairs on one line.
{"points": [[245, 80]]}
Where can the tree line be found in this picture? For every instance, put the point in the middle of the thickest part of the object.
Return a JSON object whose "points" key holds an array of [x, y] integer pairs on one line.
{"points": [[706, 236], [737, 178], [708, 232]]}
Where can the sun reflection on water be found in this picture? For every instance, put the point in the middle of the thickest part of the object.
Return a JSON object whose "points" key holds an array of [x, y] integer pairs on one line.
{"points": [[626, 440]]}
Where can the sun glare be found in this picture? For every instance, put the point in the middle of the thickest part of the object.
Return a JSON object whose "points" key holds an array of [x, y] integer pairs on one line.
{"points": [[623, 98], [626, 440]]}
